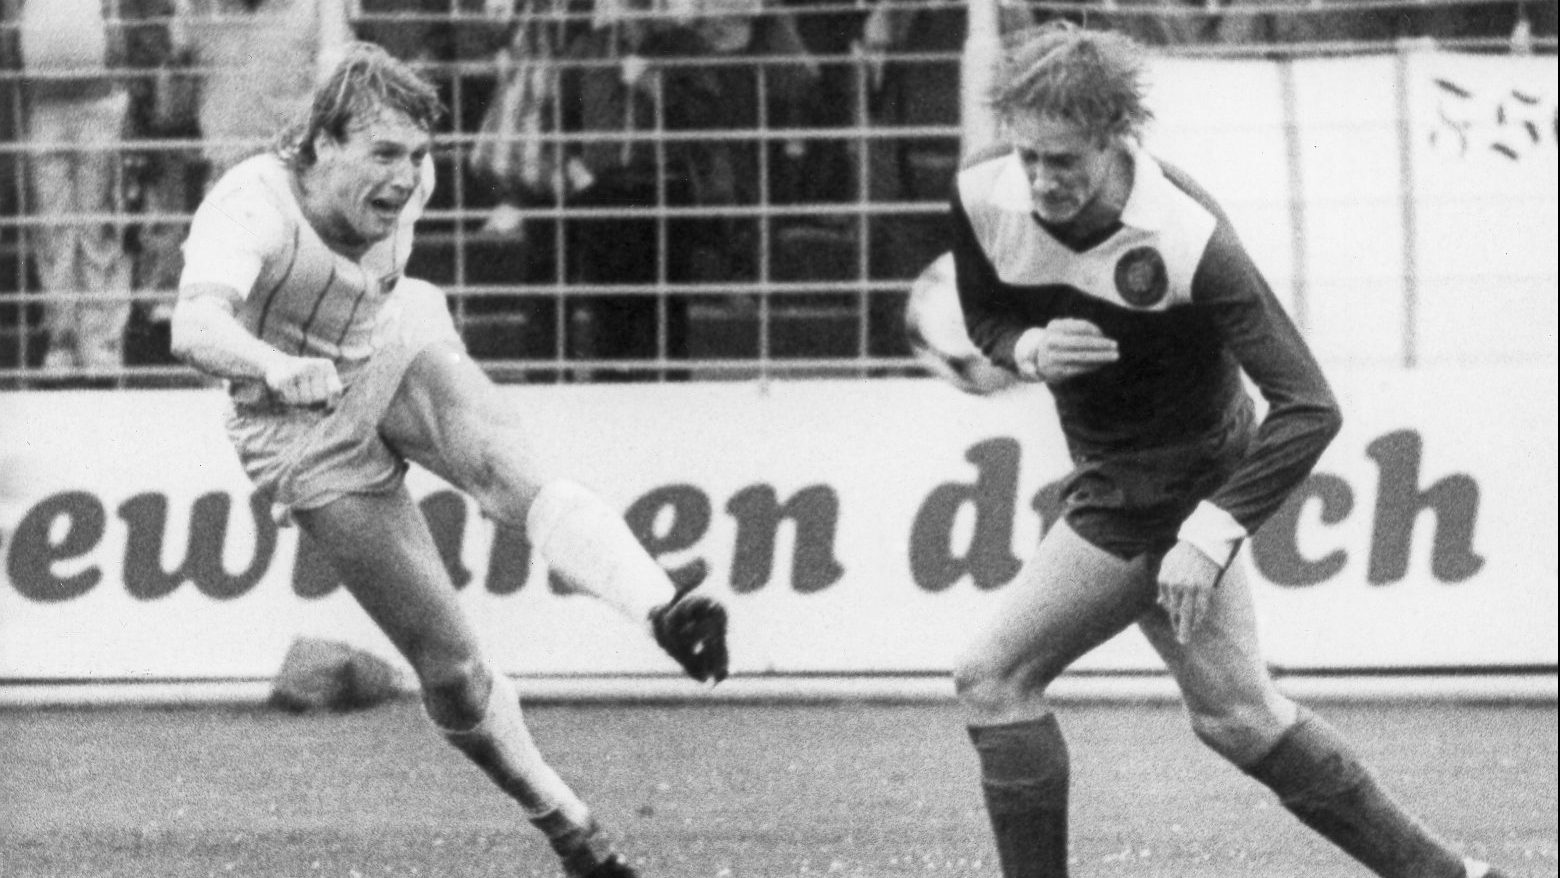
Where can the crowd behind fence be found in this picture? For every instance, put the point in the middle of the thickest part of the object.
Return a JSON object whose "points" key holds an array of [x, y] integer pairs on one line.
{"points": [[625, 191]]}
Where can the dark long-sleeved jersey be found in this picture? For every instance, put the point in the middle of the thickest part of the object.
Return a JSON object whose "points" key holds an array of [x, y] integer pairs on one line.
{"points": [[1184, 302]]}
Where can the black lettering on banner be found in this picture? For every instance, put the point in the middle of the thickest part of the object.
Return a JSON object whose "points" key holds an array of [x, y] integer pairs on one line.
{"points": [[1275, 548], [445, 512], [1047, 504], [208, 536], [690, 514], [1512, 123], [34, 553], [146, 516], [71, 525], [312, 575], [509, 560], [993, 495], [1454, 500], [815, 511]]}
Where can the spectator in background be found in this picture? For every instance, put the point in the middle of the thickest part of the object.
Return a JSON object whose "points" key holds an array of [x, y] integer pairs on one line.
{"points": [[916, 92], [407, 29], [258, 62], [608, 86], [1286, 22], [162, 164], [1160, 22], [635, 76], [424, 31], [512, 159], [832, 33], [74, 117]]}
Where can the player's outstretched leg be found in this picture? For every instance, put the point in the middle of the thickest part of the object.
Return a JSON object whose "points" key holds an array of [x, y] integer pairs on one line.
{"points": [[447, 416], [1320, 779], [1236, 710]]}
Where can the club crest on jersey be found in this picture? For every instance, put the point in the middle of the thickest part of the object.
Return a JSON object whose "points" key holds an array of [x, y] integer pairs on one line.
{"points": [[1141, 278]]}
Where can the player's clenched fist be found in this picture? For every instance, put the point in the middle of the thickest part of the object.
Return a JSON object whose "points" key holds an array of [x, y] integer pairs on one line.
{"points": [[1062, 349], [305, 381]]}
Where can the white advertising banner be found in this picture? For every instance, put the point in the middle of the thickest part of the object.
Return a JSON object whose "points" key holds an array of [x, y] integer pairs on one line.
{"points": [[1486, 176], [1224, 124], [1404, 207], [854, 527]]}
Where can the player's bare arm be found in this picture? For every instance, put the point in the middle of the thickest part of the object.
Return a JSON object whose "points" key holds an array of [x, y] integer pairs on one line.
{"points": [[206, 334]]}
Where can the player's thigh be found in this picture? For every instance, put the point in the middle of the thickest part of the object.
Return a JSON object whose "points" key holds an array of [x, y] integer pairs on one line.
{"points": [[1221, 672], [380, 545], [449, 417], [1070, 597]]}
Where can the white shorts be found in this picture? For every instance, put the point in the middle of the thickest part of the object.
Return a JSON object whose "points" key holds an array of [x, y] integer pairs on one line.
{"points": [[305, 458]]}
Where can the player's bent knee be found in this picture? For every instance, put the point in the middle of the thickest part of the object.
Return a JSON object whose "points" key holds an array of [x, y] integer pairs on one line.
{"points": [[1240, 733], [456, 694], [987, 689]]}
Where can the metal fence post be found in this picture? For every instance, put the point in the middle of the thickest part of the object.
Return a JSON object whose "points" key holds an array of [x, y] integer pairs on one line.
{"points": [[1408, 184], [982, 45]]}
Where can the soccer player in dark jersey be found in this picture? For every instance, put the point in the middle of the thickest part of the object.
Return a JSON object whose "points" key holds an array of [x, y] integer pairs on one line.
{"points": [[341, 371], [1085, 263]]}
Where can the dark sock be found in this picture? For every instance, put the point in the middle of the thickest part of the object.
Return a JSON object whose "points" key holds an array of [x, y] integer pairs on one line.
{"points": [[1320, 780], [1024, 775]]}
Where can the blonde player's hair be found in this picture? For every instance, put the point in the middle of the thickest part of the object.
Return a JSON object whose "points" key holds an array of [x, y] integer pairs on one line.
{"points": [[1090, 78], [366, 80]]}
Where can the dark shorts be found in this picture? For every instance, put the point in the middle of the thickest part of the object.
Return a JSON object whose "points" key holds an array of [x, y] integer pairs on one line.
{"points": [[1131, 504]]}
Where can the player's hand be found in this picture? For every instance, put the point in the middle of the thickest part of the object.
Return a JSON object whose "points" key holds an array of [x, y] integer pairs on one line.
{"points": [[305, 381], [1063, 349], [1187, 579]]}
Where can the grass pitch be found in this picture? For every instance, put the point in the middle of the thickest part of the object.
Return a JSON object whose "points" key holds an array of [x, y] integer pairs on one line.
{"points": [[707, 790]]}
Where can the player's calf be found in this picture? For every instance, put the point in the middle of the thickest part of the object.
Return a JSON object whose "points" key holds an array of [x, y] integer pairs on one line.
{"points": [[1320, 780]]}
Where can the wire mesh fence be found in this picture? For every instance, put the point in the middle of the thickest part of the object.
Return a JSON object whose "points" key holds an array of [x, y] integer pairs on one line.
{"points": [[654, 191]]}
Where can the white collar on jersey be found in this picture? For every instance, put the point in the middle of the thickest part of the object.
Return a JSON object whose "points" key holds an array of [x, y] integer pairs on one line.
{"points": [[1146, 206]]}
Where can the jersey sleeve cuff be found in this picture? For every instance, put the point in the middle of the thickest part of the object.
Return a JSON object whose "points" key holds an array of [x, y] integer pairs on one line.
{"points": [[1214, 532]]}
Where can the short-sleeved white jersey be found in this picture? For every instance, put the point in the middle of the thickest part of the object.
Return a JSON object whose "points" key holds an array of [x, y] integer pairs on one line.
{"points": [[299, 295]]}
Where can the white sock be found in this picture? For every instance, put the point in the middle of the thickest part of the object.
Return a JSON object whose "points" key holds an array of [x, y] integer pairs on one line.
{"points": [[588, 544], [502, 746], [1476, 869]]}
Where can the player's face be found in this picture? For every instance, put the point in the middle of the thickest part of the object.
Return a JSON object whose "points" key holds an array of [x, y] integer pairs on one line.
{"points": [[366, 179], [1067, 166]]}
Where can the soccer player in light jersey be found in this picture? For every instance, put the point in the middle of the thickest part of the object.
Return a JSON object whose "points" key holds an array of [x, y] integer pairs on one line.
{"points": [[1083, 262], [341, 371]]}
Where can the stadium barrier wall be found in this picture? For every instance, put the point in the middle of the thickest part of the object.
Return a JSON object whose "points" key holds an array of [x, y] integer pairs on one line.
{"points": [[857, 529]]}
